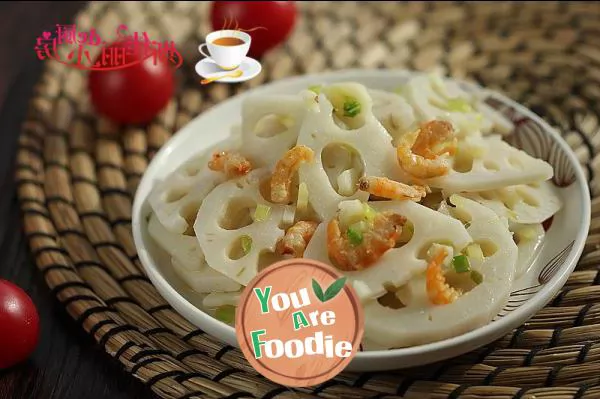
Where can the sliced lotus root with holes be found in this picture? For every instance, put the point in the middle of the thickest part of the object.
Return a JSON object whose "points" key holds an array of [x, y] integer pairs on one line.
{"points": [[529, 239], [524, 203], [187, 260], [489, 163], [393, 112], [357, 144], [270, 126], [204, 279], [398, 265], [415, 320], [175, 199], [231, 240], [182, 247], [432, 97]]}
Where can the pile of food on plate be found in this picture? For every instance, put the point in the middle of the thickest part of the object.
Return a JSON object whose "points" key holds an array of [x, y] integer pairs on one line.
{"points": [[412, 194]]}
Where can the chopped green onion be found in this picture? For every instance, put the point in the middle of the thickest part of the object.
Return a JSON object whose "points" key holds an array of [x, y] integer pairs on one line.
{"points": [[461, 264], [354, 236], [476, 277], [315, 89], [242, 270], [360, 226], [458, 105], [467, 225], [350, 212], [351, 107], [261, 213], [302, 202], [369, 212], [400, 89], [246, 244], [474, 251], [225, 313]]}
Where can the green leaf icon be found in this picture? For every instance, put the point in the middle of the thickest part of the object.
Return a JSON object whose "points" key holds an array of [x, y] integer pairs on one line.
{"points": [[318, 290], [334, 289]]}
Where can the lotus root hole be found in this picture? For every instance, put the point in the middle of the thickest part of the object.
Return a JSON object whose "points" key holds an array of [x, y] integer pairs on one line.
{"points": [[463, 162], [236, 251], [390, 299], [488, 248], [264, 188], [424, 249], [175, 195], [189, 212], [338, 98], [238, 214], [192, 169], [344, 166], [272, 124], [516, 163], [408, 230], [267, 258], [486, 196], [460, 281], [491, 165]]}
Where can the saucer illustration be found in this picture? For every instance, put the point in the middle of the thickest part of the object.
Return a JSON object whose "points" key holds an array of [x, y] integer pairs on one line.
{"points": [[208, 69]]}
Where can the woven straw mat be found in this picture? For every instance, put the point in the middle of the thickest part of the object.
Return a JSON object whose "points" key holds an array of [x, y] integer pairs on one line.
{"points": [[77, 174]]}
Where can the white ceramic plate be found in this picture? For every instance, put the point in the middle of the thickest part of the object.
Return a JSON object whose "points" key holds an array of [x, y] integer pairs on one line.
{"points": [[559, 254]]}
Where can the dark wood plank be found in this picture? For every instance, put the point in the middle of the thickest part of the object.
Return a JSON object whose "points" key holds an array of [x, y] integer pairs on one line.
{"points": [[67, 363]]}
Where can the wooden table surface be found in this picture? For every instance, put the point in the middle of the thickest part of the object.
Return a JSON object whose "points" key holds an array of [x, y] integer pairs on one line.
{"points": [[66, 364]]}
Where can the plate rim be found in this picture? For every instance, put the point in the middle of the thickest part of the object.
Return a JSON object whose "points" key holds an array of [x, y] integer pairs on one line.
{"points": [[433, 351]]}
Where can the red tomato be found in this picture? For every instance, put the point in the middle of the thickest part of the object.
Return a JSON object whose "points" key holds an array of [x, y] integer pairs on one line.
{"points": [[134, 94], [278, 17], [19, 325]]}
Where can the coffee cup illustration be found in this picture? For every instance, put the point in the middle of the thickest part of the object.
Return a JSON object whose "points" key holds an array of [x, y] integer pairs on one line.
{"points": [[227, 48]]}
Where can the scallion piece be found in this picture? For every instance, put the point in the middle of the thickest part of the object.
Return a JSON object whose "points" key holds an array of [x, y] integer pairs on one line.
{"points": [[261, 213], [354, 236], [476, 277], [302, 203], [315, 89], [225, 313], [246, 242], [351, 107], [401, 89], [474, 251], [458, 105], [369, 212], [461, 264]]}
